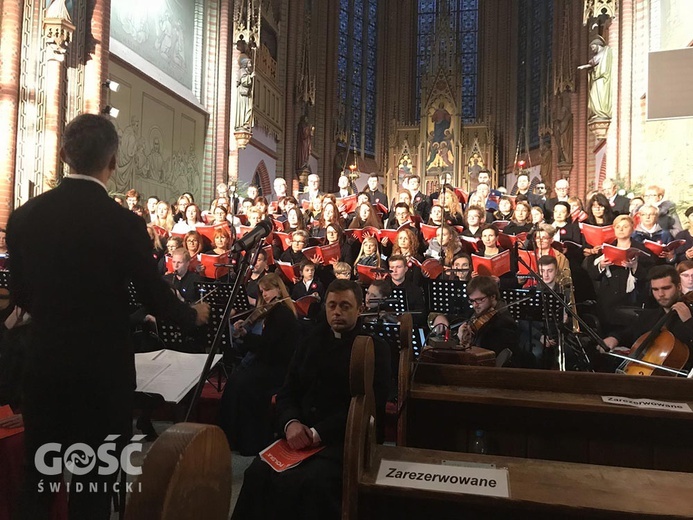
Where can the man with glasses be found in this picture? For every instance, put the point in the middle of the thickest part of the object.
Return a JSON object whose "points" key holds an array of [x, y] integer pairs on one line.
{"points": [[313, 189], [294, 254], [490, 327], [619, 203], [668, 218]]}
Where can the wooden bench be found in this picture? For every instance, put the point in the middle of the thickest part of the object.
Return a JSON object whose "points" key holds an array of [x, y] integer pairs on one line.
{"points": [[538, 489], [545, 414]]}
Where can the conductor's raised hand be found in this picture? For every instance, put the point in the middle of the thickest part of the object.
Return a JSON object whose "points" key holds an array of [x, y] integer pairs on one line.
{"points": [[298, 436], [202, 309]]}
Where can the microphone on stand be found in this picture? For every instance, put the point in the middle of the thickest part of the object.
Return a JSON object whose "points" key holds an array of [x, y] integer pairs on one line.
{"points": [[260, 231]]}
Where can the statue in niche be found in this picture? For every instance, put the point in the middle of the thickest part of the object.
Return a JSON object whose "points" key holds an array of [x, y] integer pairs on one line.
{"points": [[563, 130], [244, 99], [546, 154], [304, 143], [600, 79]]}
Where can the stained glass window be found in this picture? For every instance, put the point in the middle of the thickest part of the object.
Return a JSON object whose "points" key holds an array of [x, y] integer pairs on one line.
{"points": [[464, 21], [534, 59], [356, 68]]}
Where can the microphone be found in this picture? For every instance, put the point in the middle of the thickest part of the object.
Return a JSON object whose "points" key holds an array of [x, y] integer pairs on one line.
{"points": [[260, 231]]}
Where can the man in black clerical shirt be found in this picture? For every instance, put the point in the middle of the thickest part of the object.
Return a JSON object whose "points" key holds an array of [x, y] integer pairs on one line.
{"points": [[181, 279], [311, 410], [79, 376]]}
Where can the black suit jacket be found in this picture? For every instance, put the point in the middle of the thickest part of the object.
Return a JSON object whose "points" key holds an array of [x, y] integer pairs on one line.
{"points": [[73, 280], [621, 205]]}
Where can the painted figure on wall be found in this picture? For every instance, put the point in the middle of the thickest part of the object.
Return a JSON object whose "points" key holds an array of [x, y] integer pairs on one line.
{"points": [[563, 129], [244, 99], [440, 154], [600, 79]]}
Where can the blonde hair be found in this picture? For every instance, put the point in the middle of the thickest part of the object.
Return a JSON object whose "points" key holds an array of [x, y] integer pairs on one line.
{"points": [[363, 255], [272, 281]]}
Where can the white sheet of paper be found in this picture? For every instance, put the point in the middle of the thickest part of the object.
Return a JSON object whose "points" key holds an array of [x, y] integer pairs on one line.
{"points": [[169, 373], [449, 479]]}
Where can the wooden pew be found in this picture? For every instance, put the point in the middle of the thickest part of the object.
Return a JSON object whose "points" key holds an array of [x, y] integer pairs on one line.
{"points": [[546, 415], [538, 489]]}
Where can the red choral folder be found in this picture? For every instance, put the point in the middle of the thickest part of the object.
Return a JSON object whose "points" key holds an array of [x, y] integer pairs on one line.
{"points": [[470, 244], [5, 412], [428, 232], [326, 254], [367, 274], [212, 271], [496, 265], [290, 271], [620, 256], [285, 239], [269, 255], [208, 231], [431, 268], [500, 225], [163, 233], [281, 457], [658, 248], [529, 258], [360, 234], [279, 225], [303, 305], [578, 215], [347, 204], [508, 241], [597, 235]]}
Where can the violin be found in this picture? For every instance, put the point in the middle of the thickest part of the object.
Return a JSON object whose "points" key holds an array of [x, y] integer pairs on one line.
{"points": [[657, 347], [257, 314]]}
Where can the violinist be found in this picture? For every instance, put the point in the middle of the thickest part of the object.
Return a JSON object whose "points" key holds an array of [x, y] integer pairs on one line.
{"points": [[490, 327], [267, 346], [665, 283]]}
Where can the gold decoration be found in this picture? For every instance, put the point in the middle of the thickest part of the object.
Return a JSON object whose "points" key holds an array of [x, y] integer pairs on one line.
{"points": [[242, 138], [599, 127], [58, 28]]}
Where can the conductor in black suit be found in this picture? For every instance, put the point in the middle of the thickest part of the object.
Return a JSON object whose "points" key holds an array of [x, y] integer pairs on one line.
{"points": [[80, 372]]}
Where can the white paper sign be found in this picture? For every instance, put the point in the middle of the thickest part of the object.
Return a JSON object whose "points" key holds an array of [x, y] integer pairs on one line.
{"points": [[650, 404], [449, 479]]}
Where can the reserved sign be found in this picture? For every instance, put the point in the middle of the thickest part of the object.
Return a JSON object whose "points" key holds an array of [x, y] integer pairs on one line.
{"points": [[449, 479], [650, 404]]}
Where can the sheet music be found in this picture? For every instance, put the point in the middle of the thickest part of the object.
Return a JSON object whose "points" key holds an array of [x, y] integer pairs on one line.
{"points": [[169, 373]]}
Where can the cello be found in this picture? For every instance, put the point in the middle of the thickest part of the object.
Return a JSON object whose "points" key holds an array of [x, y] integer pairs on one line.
{"points": [[657, 347]]}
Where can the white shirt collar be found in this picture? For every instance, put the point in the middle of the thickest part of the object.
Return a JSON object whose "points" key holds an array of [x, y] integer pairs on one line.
{"points": [[79, 176]]}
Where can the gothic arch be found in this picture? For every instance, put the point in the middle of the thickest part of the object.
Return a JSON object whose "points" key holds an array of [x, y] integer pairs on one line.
{"points": [[261, 178]]}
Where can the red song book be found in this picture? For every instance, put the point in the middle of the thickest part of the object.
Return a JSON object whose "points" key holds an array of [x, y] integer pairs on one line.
{"points": [[496, 265], [290, 271], [578, 215], [243, 219], [431, 268], [208, 231], [303, 305], [285, 239], [273, 207], [500, 225], [620, 256], [243, 231], [428, 232], [281, 457], [360, 234], [529, 258], [325, 254], [461, 195], [278, 225], [380, 208], [508, 241], [347, 204], [470, 244], [658, 248], [597, 235], [269, 255], [212, 271], [5, 412], [163, 233], [368, 274]]}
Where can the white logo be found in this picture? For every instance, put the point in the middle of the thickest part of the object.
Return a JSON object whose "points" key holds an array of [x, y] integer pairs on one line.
{"points": [[80, 458]]}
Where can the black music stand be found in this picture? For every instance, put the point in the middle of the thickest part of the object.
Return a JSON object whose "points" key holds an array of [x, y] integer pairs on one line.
{"points": [[448, 297], [398, 301], [538, 307], [389, 332]]}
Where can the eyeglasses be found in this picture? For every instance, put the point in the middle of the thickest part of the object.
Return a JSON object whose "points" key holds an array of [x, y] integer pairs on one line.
{"points": [[299, 241], [474, 301]]}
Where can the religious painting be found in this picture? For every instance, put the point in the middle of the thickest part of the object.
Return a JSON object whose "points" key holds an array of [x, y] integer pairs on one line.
{"points": [[440, 158], [161, 33]]}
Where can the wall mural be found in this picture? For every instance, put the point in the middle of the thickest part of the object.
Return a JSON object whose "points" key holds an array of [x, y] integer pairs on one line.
{"points": [[162, 35], [440, 150]]}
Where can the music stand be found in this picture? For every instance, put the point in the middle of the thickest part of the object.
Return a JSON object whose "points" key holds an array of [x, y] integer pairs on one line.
{"points": [[538, 307], [448, 297], [398, 300], [389, 332]]}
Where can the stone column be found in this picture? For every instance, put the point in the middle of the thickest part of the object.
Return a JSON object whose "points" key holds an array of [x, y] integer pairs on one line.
{"points": [[11, 30], [97, 49], [54, 81]]}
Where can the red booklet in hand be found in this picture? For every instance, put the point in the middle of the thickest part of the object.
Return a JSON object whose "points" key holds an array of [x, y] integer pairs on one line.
{"points": [[429, 232], [597, 235], [579, 215], [303, 305], [163, 233], [347, 204], [5, 412], [281, 457], [368, 274], [208, 231], [500, 225], [290, 271], [432, 268], [285, 239], [278, 225], [508, 241], [658, 248], [212, 271], [470, 244], [619, 256], [268, 255], [326, 254], [360, 234], [529, 258], [496, 265]]}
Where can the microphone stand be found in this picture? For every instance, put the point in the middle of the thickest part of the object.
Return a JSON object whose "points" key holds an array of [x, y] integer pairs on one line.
{"points": [[247, 260]]}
